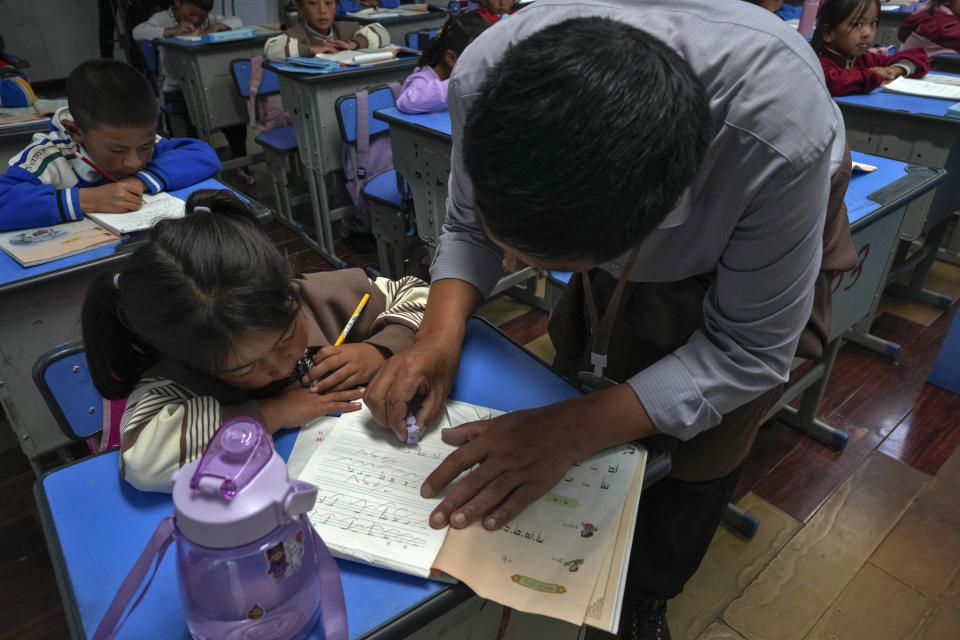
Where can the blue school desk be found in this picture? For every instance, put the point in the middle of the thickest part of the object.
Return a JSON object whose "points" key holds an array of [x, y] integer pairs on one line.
{"points": [[310, 98], [946, 369], [877, 204], [203, 71], [421, 145], [911, 129], [398, 26], [14, 138], [96, 524], [39, 308]]}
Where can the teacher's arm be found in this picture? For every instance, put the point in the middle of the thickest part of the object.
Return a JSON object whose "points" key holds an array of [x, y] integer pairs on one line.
{"points": [[465, 269], [428, 367]]}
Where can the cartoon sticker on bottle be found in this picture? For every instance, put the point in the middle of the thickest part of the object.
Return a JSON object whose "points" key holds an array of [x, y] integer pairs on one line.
{"points": [[284, 558], [256, 612]]}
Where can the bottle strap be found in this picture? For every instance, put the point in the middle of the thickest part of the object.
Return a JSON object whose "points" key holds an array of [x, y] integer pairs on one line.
{"points": [[114, 619], [333, 609]]}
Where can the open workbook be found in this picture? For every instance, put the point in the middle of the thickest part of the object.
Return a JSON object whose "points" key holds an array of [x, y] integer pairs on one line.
{"points": [[155, 207], [932, 85], [564, 556]]}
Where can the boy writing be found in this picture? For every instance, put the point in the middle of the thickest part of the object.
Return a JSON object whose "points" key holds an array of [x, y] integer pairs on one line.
{"points": [[102, 153]]}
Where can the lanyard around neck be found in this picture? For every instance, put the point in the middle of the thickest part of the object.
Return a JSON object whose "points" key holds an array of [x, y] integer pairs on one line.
{"points": [[602, 328]]}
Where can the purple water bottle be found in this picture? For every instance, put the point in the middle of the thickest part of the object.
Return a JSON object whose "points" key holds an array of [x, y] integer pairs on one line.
{"points": [[247, 556], [249, 564]]}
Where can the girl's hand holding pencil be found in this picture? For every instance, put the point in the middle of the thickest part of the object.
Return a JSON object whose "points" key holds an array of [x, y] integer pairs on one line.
{"points": [[343, 367]]}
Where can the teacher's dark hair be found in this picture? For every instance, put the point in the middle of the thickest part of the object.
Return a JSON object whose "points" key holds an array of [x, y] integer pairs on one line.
{"points": [[583, 138], [187, 294]]}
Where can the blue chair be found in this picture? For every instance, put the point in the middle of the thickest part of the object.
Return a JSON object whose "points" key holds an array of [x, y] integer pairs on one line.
{"points": [[151, 60], [419, 39], [279, 145], [63, 378], [384, 192]]}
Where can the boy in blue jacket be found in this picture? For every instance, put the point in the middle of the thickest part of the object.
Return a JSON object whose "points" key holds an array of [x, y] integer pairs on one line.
{"points": [[102, 153]]}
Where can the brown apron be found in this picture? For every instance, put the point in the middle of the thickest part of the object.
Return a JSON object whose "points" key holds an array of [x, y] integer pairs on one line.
{"points": [[654, 319]]}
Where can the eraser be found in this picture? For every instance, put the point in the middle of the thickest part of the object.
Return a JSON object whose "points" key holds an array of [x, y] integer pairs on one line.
{"points": [[413, 431]]}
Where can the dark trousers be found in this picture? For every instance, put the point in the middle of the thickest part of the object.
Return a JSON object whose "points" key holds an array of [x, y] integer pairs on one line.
{"points": [[236, 134], [675, 525]]}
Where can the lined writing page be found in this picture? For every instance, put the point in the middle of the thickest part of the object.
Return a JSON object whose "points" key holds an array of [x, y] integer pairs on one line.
{"points": [[368, 504]]}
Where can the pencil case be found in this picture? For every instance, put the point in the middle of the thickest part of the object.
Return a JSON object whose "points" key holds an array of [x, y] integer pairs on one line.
{"points": [[234, 34]]}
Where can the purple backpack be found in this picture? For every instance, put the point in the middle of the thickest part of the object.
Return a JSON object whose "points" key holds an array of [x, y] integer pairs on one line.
{"points": [[363, 160], [265, 112]]}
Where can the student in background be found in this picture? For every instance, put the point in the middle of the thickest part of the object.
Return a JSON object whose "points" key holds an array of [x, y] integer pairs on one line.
{"points": [[842, 39], [491, 10], [425, 89], [935, 27], [226, 338], [193, 17], [15, 89], [102, 153], [320, 32]]}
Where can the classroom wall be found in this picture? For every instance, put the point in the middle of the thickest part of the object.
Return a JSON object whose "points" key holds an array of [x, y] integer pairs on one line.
{"points": [[68, 34]]}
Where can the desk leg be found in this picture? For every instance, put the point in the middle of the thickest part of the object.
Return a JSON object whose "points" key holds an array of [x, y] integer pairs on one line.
{"points": [[321, 220], [811, 385], [921, 262]]}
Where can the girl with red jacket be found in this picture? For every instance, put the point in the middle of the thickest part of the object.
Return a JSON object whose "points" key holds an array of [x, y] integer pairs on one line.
{"points": [[935, 27], [842, 39]]}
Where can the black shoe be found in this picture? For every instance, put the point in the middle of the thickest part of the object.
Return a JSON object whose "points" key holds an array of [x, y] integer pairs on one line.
{"points": [[644, 618]]}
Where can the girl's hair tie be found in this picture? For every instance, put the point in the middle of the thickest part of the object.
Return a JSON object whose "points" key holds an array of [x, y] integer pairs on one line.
{"points": [[201, 209], [116, 281]]}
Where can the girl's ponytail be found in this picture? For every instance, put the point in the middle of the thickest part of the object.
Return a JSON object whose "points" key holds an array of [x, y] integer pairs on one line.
{"points": [[116, 356]]}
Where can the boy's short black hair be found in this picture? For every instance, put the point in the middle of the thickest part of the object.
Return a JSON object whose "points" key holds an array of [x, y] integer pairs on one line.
{"points": [[112, 93], [583, 137], [206, 5]]}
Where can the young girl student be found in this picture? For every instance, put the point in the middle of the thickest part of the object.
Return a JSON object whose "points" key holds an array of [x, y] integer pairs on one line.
{"points": [[935, 26], [205, 323], [425, 90], [320, 32], [842, 39]]}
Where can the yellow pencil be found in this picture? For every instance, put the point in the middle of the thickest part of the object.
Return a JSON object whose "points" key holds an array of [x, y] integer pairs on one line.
{"points": [[353, 318]]}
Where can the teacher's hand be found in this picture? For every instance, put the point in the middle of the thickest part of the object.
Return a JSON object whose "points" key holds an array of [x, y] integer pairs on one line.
{"points": [[425, 369], [520, 456]]}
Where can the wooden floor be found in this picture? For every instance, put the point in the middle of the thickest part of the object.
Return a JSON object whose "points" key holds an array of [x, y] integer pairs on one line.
{"points": [[859, 545]]}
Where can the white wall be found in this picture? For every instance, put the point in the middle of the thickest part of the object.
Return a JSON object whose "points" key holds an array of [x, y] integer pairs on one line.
{"points": [[68, 35], [250, 11]]}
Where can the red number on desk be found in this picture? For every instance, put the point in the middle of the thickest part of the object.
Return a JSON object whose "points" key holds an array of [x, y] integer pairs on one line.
{"points": [[835, 281], [857, 270]]}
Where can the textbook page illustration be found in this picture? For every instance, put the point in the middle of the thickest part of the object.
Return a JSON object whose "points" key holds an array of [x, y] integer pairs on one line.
{"points": [[565, 555]]}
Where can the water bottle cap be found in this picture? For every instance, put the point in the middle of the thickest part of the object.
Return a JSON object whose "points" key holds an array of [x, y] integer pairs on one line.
{"points": [[239, 490]]}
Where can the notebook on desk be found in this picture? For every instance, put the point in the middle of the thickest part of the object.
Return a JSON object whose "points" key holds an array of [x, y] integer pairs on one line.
{"points": [[931, 86], [45, 244], [359, 57], [155, 207], [565, 555]]}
